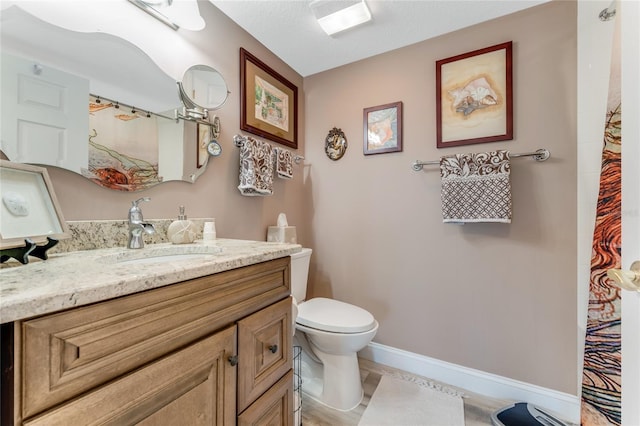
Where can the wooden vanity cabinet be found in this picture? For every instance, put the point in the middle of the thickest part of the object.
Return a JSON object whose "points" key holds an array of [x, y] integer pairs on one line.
{"points": [[208, 351]]}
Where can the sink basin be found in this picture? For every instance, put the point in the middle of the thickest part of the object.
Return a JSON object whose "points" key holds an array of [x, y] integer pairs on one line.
{"points": [[162, 254]]}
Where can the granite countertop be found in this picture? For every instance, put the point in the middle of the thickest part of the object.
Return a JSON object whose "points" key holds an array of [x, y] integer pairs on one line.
{"points": [[72, 279]]}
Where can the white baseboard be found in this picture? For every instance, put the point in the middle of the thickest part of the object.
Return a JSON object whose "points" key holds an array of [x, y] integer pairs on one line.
{"points": [[564, 405]]}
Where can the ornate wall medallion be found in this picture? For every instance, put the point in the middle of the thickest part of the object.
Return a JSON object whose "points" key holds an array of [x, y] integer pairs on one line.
{"points": [[335, 145]]}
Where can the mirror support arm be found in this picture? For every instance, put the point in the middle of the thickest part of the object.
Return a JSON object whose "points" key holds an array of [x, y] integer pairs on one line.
{"points": [[187, 117], [191, 109]]}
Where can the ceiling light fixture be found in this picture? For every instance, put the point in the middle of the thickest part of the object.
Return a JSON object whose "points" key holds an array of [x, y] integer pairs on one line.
{"points": [[174, 13], [335, 16]]}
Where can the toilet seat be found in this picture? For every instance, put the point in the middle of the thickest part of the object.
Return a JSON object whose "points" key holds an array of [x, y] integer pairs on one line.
{"points": [[334, 316]]}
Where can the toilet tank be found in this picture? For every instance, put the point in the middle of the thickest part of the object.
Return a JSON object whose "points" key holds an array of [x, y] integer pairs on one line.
{"points": [[300, 273]]}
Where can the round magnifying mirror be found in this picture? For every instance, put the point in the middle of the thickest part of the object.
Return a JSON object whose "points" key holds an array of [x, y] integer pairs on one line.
{"points": [[203, 88]]}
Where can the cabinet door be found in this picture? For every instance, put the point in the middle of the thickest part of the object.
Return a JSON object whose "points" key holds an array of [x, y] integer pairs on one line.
{"points": [[194, 386], [275, 407], [265, 350]]}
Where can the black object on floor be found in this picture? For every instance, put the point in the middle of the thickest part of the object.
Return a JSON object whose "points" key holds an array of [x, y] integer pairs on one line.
{"points": [[524, 414]]}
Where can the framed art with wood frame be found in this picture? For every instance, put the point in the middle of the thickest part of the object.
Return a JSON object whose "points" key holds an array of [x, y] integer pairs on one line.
{"points": [[383, 128], [268, 102], [474, 97]]}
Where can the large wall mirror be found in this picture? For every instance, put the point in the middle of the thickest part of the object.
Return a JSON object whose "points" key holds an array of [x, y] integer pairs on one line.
{"points": [[97, 105]]}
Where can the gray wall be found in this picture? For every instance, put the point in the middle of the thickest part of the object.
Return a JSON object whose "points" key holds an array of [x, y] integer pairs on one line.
{"points": [[495, 297]]}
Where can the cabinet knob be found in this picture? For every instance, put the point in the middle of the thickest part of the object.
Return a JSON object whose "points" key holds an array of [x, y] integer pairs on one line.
{"points": [[233, 360], [273, 348]]}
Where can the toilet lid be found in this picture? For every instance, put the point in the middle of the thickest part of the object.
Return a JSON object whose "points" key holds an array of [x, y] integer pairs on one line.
{"points": [[333, 315]]}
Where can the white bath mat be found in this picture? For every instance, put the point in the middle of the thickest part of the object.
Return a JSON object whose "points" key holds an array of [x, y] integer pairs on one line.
{"points": [[399, 402]]}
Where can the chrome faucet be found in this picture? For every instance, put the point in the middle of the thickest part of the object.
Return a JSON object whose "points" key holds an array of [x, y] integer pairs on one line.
{"points": [[137, 225]]}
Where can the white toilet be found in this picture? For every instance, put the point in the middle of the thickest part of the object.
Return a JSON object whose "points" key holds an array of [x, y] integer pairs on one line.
{"points": [[330, 333]]}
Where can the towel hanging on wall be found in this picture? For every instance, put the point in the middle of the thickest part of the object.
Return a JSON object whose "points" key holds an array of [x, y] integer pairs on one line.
{"points": [[476, 187], [256, 168], [284, 163]]}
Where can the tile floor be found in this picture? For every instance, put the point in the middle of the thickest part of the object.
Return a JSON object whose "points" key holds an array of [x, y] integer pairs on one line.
{"points": [[477, 408]]}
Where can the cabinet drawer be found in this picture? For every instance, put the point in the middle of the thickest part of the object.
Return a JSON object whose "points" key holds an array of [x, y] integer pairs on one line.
{"points": [[195, 385], [265, 351], [74, 351], [275, 407]]}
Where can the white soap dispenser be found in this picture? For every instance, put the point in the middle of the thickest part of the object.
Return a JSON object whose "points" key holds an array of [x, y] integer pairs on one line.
{"points": [[181, 231]]}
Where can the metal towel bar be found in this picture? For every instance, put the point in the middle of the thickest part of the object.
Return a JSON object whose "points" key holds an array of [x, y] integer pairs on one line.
{"points": [[539, 155]]}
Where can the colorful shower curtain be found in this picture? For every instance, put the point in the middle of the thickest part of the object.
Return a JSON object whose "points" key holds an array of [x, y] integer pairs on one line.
{"points": [[601, 379]]}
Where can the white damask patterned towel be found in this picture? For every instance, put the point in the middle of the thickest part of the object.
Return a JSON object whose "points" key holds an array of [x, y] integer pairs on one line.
{"points": [[256, 168], [284, 163], [476, 187]]}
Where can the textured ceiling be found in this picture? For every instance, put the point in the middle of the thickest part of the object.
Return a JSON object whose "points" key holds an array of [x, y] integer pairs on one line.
{"points": [[289, 30]]}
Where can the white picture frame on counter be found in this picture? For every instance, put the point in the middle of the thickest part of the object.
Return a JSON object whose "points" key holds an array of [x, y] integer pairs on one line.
{"points": [[28, 207]]}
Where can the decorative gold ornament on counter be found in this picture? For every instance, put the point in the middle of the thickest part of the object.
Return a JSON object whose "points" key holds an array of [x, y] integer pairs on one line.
{"points": [[335, 145]]}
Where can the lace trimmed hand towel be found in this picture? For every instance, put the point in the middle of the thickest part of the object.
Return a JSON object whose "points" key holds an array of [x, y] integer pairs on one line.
{"points": [[284, 163], [476, 187], [256, 168]]}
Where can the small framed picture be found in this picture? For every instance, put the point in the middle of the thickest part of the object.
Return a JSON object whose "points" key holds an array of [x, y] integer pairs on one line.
{"points": [[474, 97], [383, 129], [29, 207]]}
